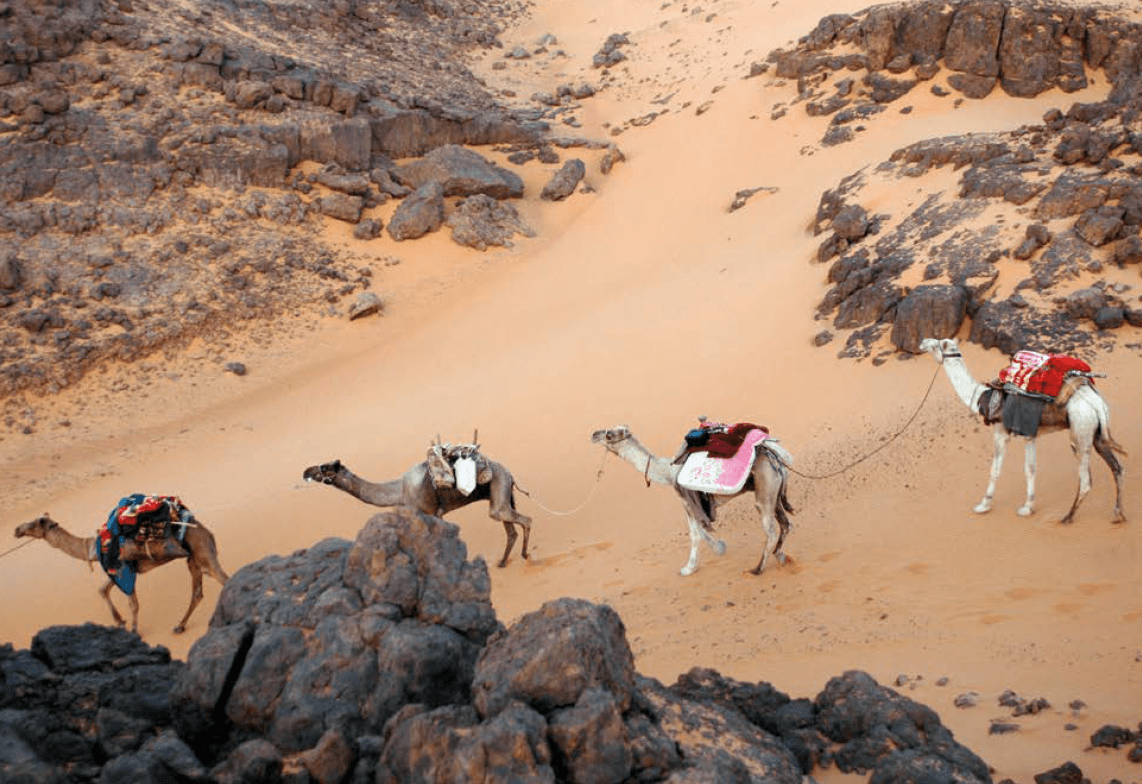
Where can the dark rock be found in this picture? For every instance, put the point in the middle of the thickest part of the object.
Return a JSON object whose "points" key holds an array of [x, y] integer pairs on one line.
{"points": [[1109, 317], [460, 172], [451, 744], [255, 760], [563, 183], [481, 222], [366, 304], [1085, 303], [237, 368], [341, 206], [1100, 225], [851, 222], [418, 214], [590, 740], [874, 723], [1067, 773], [1036, 236], [549, 657], [928, 311], [1113, 736], [330, 760], [973, 86], [1126, 251], [368, 229]]}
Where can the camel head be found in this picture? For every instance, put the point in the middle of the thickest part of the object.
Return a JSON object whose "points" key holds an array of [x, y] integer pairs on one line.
{"points": [[324, 473], [940, 348], [36, 528], [611, 436]]}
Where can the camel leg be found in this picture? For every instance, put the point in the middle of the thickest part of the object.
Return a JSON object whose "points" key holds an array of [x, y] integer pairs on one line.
{"points": [[1029, 455], [772, 538], [105, 592], [1106, 452], [509, 529], [999, 436], [695, 537], [1083, 454], [195, 593]]}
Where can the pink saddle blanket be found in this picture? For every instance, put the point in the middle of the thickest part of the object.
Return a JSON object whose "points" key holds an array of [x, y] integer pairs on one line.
{"points": [[722, 475], [1042, 374]]}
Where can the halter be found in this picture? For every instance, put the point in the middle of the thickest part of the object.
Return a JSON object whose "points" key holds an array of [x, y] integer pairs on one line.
{"points": [[950, 355]]}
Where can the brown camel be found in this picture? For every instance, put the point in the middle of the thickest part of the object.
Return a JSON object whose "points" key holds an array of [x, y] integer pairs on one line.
{"points": [[197, 547], [416, 490]]}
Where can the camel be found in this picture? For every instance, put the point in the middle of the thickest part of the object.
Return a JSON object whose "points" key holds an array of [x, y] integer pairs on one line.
{"points": [[415, 490], [197, 547], [1086, 415], [767, 482]]}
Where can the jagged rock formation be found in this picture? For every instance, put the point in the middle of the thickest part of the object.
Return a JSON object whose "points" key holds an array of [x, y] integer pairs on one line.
{"points": [[1032, 281], [151, 164], [381, 660]]}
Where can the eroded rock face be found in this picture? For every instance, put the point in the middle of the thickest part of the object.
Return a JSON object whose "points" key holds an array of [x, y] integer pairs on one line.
{"points": [[1074, 179], [104, 202]]}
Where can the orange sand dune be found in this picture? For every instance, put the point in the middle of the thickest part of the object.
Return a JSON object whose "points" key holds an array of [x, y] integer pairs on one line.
{"points": [[646, 302]]}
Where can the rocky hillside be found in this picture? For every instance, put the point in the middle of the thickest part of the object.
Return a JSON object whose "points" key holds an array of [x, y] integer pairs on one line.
{"points": [[382, 660], [165, 165], [1037, 242]]}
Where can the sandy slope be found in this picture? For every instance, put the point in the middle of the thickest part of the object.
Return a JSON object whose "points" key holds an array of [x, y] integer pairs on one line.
{"points": [[645, 302]]}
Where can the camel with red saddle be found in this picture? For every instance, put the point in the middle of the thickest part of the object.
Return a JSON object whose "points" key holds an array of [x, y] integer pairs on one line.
{"points": [[1079, 408], [755, 463]]}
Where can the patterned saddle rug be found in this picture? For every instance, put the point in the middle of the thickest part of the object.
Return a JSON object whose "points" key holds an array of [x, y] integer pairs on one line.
{"points": [[139, 524], [1041, 374], [718, 458]]}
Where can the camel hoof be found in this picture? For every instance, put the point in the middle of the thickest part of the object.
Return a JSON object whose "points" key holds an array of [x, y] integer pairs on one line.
{"points": [[1025, 511], [781, 559], [720, 547], [688, 570], [179, 629], [982, 508]]}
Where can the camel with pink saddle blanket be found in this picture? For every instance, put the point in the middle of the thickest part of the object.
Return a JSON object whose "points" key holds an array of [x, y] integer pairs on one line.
{"points": [[715, 465]]}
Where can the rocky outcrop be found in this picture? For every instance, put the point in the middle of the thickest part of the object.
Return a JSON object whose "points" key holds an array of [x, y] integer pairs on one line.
{"points": [[382, 660], [104, 210], [1074, 177]]}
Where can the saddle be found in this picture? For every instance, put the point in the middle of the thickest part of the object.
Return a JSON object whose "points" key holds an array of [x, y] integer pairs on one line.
{"points": [[718, 458], [150, 526], [1034, 388], [457, 466]]}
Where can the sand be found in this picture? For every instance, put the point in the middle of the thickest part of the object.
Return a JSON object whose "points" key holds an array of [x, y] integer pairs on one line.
{"points": [[646, 302]]}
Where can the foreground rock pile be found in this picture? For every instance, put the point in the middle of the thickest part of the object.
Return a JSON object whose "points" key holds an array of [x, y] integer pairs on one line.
{"points": [[1022, 246], [381, 660]]}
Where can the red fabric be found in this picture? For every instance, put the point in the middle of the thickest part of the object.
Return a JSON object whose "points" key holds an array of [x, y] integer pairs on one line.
{"points": [[1041, 373], [726, 445]]}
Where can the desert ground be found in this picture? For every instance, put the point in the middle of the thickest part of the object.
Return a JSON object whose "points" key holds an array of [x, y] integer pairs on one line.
{"points": [[644, 301]]}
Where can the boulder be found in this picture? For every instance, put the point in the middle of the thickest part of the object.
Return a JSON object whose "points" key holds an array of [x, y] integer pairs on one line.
{"points": [[419, 213], [460, 172], [930, 310], [564, 182]]}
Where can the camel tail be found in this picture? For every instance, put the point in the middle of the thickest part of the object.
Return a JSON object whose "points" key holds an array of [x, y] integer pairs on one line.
{"points": [[772, 446], [1103, 412]]}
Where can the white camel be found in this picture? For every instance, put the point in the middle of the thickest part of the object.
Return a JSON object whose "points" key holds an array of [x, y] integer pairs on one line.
{"points": [[767, 482], [1086, 415]]}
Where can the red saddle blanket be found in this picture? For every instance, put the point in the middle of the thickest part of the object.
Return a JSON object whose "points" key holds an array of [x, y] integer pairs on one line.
{"points": [[1041, 374], [726, 444]]}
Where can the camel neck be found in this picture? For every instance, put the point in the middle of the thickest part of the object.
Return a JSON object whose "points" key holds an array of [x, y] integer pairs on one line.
{"points": [[967, 389], [656, 469], [79, 547]]}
